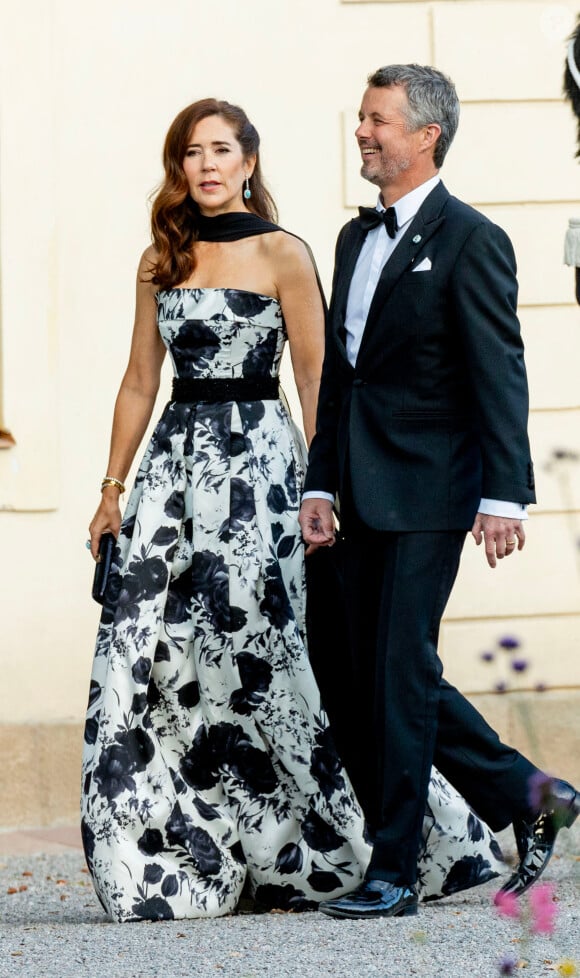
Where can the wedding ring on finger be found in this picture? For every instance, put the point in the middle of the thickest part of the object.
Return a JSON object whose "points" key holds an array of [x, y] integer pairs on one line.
{"points": [[510, 543]]}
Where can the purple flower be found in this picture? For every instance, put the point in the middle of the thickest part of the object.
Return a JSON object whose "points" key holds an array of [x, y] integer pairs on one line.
{"points": [[507, 965], [500, 687], [509, 643], [487, 656], [519, 665], [540, 787], [560, 454]]}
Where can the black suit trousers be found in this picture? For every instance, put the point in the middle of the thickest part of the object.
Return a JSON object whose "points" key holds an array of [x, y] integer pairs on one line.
{"points": [[403, 716]]}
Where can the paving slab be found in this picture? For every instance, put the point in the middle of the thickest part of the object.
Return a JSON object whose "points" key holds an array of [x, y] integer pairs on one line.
{"points": [[56, 839]]}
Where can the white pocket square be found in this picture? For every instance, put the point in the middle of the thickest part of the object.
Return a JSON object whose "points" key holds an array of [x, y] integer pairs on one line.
{"points": [[423, 266]]}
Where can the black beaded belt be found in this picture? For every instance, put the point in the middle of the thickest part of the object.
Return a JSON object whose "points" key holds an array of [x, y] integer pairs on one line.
{"points": [[188, 390]]}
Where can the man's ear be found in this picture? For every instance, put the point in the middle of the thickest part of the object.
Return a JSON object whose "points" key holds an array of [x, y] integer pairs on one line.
{"points": [[431, 134]]}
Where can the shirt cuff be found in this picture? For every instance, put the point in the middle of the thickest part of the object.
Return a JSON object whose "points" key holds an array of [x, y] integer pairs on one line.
{"points": [[312, 494], [498, 507]]}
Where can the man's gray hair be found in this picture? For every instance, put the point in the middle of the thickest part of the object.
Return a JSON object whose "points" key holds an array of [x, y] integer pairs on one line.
{"points": [[431, 97]]}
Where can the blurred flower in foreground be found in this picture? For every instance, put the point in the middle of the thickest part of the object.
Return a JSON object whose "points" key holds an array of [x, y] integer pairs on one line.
{"points": [[514, 661], [519, 665], [540, 788], [543, 908], [509, 643], [561, 454], [507, 965], [507, 904], [567, 967]]}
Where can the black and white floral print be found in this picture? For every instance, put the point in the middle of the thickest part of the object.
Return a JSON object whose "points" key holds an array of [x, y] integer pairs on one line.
{"points": [[208, 762]]}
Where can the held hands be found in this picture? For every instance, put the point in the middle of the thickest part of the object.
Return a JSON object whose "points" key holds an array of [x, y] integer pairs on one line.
{"points": [[501, 536], [317, 523], [107, 519]]}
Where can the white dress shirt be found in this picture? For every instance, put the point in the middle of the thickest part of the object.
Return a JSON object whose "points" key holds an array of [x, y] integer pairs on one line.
{"points": [[374, 254]]}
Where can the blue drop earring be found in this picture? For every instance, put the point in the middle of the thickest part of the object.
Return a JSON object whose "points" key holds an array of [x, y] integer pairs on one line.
{"points": [[247, 191]]}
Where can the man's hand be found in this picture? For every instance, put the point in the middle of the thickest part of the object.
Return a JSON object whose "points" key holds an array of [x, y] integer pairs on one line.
{"points": [[317, 523], [501, 536]]}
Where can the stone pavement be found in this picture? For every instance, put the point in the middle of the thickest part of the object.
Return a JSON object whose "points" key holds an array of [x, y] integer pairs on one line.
{"points": [[52, 926]]}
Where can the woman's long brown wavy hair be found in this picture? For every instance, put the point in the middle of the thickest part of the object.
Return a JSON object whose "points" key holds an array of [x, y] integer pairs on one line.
{"points": [[174, 213]]}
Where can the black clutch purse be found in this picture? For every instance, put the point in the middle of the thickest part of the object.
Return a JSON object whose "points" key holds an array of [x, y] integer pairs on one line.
{"points": [[103, 566]]}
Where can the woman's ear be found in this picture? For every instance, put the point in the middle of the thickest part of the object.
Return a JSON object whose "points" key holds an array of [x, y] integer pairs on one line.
{"points": [[250, 166]]}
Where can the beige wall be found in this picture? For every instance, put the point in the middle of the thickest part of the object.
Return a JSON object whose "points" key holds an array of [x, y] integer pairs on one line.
{"points": [[87, 93]]}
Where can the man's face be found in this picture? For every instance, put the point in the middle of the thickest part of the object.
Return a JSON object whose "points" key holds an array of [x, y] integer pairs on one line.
{"points": [[387, 147]]}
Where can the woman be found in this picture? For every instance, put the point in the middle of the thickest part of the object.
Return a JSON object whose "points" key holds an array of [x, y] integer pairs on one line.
{"points": [[208, 760]]}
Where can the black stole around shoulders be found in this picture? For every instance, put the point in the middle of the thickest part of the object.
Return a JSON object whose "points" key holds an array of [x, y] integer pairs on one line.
{"points": [[235, 225], [232, 226]]}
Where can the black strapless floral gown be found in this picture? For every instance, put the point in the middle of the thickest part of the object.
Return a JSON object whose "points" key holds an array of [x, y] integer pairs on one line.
{"points": [[208, 762]]}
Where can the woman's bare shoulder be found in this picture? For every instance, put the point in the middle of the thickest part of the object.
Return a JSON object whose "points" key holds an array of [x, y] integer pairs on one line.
{"points": [[288, 251], [146, 269], [149, 258]]}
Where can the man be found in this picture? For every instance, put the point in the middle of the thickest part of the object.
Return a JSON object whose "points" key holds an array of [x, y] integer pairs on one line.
{"points": [[422, 433]]}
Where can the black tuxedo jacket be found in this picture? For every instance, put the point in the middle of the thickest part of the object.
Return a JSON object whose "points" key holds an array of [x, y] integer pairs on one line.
{"points": [[434, 416]]}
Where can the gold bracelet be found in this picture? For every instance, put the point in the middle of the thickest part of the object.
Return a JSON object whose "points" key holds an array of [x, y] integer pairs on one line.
{"points": [[110, 480]]}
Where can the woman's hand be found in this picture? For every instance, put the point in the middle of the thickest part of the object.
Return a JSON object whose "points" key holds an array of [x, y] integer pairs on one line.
{"points": [[107, 519]]}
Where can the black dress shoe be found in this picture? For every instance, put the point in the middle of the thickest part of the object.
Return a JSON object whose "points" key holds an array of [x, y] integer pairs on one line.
{"points": [[373, 898], [535, 840]]}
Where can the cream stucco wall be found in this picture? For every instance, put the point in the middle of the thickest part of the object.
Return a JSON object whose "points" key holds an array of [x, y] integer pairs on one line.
{"points": [[87, 93]]}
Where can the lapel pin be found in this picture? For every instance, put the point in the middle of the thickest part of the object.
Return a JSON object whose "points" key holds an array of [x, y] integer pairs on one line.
{"points": [[417, 239]]}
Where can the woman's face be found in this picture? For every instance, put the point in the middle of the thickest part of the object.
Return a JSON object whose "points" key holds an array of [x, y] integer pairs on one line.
{"points": [[215, 167]]}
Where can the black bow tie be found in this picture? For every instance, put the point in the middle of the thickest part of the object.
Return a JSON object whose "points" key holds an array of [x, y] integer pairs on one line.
{"points": [[371, 218]]}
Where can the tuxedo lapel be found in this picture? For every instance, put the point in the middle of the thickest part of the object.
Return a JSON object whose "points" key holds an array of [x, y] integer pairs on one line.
{"points": [[426, 222], [424, 225], [346, 262]]}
